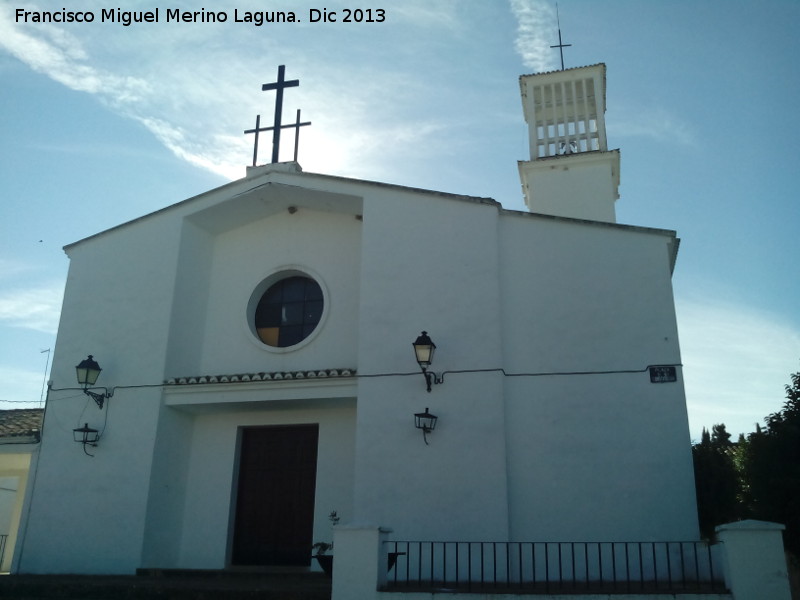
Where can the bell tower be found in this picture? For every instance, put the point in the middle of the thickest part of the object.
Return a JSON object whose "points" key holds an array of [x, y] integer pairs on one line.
{"points": [[571, 172]]}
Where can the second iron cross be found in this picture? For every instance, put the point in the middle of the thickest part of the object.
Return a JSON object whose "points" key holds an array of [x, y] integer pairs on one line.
{"points": [[278, 86]]}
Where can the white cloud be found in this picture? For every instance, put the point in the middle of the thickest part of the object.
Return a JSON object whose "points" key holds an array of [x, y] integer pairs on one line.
{"points": [[737, 361], [426, 13], [212, 157], [13, 268], [657, 123], [61, 56], [21, 388], [193, 111], [32, 308], [536, 21]]}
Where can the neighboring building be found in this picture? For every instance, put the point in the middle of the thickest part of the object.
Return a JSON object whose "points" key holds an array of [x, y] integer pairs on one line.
{"points": [[20, 434], [257, 339]]}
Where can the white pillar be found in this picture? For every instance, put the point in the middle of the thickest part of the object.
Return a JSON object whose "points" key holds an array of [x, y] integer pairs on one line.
{"points": [[360, 562], [754, 560]]}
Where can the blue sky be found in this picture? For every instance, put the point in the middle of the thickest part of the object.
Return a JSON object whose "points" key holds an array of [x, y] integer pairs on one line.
{"points": [[103, 123]]}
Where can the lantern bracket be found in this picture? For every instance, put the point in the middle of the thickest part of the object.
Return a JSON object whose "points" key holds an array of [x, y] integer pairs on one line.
{"points": [[99, 398], [431, 378]]}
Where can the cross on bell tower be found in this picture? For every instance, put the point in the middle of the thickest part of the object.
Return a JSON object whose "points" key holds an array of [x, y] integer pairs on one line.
{"points": [[561, 45], [278, 86]]}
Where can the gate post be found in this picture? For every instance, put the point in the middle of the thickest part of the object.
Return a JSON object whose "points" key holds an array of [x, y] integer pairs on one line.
{"points": [[360, 562], [754, 560]]}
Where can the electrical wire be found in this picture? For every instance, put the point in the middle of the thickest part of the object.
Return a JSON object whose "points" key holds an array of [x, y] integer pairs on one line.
{"points": [[439, 376]]}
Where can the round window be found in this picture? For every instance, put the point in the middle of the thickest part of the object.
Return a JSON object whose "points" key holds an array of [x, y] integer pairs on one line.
{"points": [[288, 311]]}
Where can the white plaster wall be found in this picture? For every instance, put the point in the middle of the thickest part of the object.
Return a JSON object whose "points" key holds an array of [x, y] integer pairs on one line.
{"points": [[593, 457], [580, 297], [754, 559], [580, 186], [454, 488], [430, 263], [597, 457], [133, 295], [509, 458], [225, 252], [116, 307], [324, 245], [208, 514], [190, 300], [167, 489]]}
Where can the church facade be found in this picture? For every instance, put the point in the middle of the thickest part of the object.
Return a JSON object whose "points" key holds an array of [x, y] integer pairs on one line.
{"points": [[258, 370]]}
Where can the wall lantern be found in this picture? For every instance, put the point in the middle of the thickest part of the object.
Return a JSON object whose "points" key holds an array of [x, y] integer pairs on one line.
{"points": [[87, 436], [88, 371], [423, 350], [425, 421]]}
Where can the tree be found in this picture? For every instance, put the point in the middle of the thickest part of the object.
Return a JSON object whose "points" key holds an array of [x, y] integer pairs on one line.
{"points": [[717, 480], [771, 467], [720, 437]]}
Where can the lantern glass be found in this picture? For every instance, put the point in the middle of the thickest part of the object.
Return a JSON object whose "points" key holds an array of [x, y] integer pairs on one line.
{"points": [[425, 421], [423, 349], [88, 371], [85, 434]]}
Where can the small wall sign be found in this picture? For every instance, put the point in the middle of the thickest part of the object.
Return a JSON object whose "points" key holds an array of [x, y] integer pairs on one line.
{"points": [[663, 375]]}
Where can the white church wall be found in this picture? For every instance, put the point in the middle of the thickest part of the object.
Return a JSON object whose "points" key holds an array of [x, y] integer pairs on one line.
{"points": [[118, 309], [421, 254], [88, 513], [190, 301], [430, 263], [325, 246], [593, 457], [598, 458], [167, 489], [510, 457], [575, 297], [579, 186], [453, 488], [586, 297], [208, 513]]}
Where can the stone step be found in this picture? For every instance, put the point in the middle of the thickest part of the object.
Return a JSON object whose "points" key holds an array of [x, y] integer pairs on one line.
{"points": [[168, 585]]}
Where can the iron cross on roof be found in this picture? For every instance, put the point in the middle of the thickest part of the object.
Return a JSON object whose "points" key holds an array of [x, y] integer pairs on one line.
{"points": [[278, 86], [560, 44]]}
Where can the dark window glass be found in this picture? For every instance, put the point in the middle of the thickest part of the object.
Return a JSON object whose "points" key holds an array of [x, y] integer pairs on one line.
{"points": [[294, 289], [289, 311], [268, 313], [313, 291], [290, 335], [313, 311], [292, 313]]}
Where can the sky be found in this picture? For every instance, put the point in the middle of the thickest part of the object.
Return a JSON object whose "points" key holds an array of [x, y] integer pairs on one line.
{"points": [[102, 123]]}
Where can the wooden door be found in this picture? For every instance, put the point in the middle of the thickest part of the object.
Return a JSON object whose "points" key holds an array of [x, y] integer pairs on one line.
{"points": [[275, 501]]}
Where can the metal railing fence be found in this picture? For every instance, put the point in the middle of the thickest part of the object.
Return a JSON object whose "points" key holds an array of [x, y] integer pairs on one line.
{"points": [[547, 567]]}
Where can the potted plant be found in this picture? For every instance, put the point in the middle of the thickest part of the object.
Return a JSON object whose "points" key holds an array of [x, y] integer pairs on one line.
{"points": [[321, 549]]}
